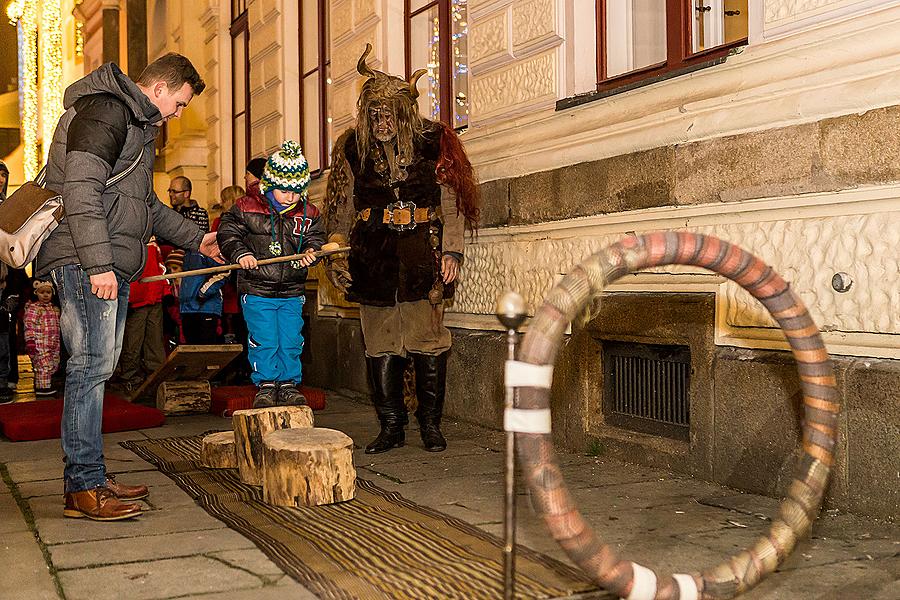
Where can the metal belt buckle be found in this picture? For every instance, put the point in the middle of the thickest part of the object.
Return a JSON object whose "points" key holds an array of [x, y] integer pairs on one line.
{"points": [[403, 215]]}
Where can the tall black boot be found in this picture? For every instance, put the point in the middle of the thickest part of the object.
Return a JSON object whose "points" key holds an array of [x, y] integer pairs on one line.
{"points": [[431, 379], [386, 377]]}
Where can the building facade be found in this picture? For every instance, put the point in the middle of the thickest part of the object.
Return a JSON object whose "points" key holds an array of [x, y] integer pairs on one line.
{"points": [[769, 123]]}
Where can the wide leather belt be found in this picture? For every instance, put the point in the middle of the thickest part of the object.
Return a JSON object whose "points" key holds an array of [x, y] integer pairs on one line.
{"points": [[400, 215]]}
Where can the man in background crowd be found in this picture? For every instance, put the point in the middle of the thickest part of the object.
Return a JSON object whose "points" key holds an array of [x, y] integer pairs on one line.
{"points": [[180, 189]]}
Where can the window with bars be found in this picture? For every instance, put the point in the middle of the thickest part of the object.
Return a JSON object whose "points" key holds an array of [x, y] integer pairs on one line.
{"points": [[436, 33], [646, 388], [240, 89], [315, 85], [644, 39]]}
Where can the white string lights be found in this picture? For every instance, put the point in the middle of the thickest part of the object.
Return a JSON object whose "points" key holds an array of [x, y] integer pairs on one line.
{"points": [[51, 70], [24, 14]]}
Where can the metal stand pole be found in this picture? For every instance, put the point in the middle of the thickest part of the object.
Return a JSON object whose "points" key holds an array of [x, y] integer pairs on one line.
{"points": [[511, 313]]}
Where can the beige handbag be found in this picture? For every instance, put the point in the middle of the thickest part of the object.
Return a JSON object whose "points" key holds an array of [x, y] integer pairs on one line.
{"points": [[31, 213]]}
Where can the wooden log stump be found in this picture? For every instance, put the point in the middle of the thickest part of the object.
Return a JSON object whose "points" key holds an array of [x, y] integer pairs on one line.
{"points": [[217, 451], [252, 424], [183, 397], [308, 467]]}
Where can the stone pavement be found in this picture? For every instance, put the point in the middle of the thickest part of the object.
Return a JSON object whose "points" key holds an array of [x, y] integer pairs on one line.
{"points": [[176, 550]]}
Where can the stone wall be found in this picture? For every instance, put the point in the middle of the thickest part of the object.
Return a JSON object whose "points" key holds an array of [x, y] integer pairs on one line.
{"points": [[745, 408]]}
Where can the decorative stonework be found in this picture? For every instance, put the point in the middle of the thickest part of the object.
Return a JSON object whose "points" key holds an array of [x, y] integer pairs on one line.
{"points": [[524, 83], [489, 37], [808, 253], [341, 19], [777, 10], [364, 10], [346, 55], [533, 21], [806, 250], [343, 106]]}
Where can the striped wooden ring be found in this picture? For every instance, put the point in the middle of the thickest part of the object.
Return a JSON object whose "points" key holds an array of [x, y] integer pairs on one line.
{"points": [[820, 398]]}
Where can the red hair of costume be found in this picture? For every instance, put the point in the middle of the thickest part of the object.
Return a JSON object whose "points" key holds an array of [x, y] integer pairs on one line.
{"points": [[455, 170]]}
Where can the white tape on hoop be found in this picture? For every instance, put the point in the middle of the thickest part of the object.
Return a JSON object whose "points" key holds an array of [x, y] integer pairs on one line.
{"points": [[522, 374], [644, 587], [523, 420], [687, 587]]}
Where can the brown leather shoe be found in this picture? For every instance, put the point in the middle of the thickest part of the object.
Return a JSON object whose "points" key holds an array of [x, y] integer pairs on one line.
{"points": [[126, 492], [99, 504]]}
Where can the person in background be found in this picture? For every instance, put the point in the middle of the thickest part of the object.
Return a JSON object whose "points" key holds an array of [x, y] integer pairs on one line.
{"points": [[4, 180], [6, 394], [275, 218], [7, 319], [143, 348], [233, 326], [180, 189], [42, 337], [227, 198], [174, 261], [200, 301], [254, 172]]}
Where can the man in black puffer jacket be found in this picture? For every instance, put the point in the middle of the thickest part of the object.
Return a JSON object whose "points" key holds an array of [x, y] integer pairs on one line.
{"points": [[109, 129]]}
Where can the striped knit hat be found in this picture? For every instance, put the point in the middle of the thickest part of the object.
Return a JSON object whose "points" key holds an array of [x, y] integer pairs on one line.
{"points": [[286, 170]]}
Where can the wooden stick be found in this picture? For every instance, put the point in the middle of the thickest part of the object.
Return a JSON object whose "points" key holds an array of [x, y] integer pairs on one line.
{"points": [[234, 267]]}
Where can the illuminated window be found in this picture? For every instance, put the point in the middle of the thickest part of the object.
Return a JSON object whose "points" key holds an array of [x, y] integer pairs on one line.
{"points": [[643, 39], [437, 40], [240, 88], [315, 85]]}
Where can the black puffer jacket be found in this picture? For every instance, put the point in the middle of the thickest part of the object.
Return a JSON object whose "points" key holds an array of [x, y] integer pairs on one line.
{"points": [[247, 228], [107, 122]]}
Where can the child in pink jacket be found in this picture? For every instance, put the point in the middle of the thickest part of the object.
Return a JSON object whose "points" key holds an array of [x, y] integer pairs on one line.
{"points": [[42, 337]]}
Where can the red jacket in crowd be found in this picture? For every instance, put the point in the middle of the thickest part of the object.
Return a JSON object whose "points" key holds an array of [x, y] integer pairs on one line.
{"points": [[145, 294]]}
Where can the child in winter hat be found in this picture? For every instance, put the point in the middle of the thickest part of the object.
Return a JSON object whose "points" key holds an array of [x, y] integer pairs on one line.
{"points": [[274, 220], [286, 170]]}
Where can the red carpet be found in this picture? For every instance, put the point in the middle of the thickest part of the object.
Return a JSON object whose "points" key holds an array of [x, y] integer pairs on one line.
{"points": [[228, 398], [39, 420]]}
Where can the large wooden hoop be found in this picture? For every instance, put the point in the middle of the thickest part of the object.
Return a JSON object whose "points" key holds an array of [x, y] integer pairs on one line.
{"points": [[820, 399]]}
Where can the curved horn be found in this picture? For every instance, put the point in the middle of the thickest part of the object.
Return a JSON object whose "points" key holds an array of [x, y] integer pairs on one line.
{"points": [[361, 66], [413, 80]]}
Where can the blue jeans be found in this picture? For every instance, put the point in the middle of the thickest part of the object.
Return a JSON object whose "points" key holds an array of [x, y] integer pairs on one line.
{"points": [[274, 341], [92, 330]]}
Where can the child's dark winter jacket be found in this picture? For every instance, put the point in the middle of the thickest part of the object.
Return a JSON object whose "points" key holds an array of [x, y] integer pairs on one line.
{"points": [[252, 225]]}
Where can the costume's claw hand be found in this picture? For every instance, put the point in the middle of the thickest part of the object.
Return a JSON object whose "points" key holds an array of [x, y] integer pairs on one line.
{"points": [[337, 269], [449, 268]]}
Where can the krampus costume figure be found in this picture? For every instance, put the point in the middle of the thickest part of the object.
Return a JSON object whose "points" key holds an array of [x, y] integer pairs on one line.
{"points": [[413, 193]]}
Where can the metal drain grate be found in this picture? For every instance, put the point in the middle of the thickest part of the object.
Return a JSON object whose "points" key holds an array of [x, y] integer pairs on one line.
{"points": [[646, 388]]}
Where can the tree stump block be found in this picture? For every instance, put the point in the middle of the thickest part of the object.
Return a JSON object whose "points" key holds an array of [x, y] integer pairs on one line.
{"points": [[217, 451], [183, 397], [308, 467], [252, 424]]}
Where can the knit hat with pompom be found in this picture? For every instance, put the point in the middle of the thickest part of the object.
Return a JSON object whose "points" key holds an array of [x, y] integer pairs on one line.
{"points": [[286, 170]]}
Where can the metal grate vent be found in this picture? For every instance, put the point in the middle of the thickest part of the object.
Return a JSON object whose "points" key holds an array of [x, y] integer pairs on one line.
{"points": [[646, 388]]}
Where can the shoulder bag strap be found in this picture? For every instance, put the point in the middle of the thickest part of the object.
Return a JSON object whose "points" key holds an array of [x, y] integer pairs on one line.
{"points": [[42, 174]]}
